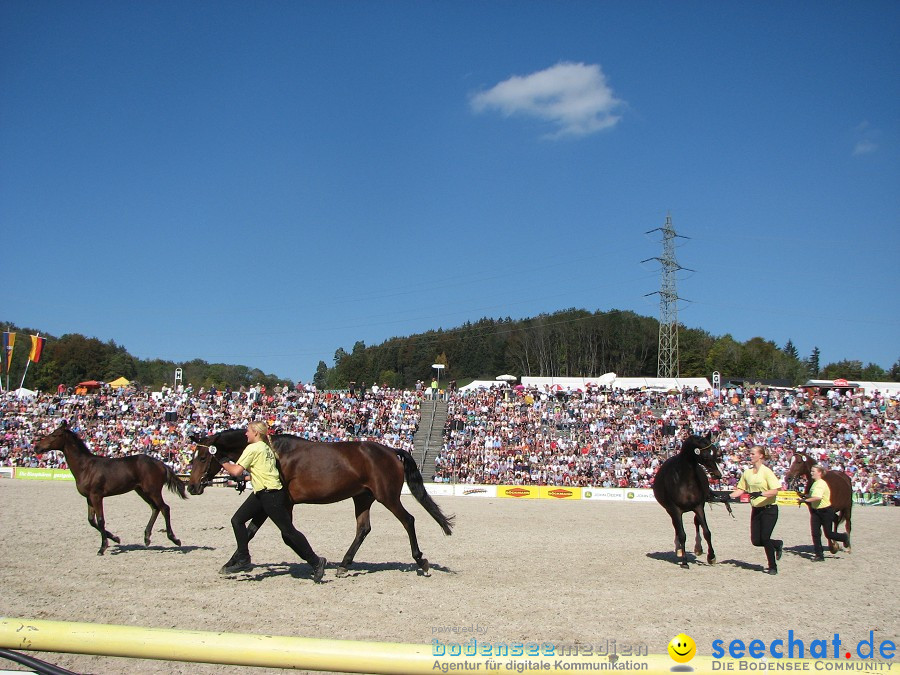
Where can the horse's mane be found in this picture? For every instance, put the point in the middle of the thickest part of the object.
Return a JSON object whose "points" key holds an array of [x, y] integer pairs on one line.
{"points": [[82, 446]]}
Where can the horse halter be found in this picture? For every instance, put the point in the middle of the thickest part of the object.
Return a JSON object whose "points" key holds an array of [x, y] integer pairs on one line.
{"points": [[697, 451], [212, 453]]}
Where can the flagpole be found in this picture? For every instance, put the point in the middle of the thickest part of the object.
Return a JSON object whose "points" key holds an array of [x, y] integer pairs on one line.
{"points": [[27, 363], [6, 360]]}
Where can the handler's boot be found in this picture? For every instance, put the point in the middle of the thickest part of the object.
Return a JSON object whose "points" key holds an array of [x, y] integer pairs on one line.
{"points": [[241, 564]]}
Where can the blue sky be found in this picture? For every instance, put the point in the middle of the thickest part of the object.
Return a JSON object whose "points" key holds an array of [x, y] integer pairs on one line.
{"points": [[263, 183]]}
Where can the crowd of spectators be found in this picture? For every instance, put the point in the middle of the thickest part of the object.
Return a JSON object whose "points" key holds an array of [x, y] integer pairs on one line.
{"points": [[598, 437], [118, 422], [499, 435]]}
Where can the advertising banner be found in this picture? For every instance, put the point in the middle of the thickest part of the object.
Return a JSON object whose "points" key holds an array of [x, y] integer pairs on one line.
{"points": [[26, 473], [604, 494], [518, 491], [639, 495], [475, 490], [550, 492], [434, 489]]}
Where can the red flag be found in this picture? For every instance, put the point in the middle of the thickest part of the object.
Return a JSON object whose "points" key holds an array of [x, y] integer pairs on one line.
{"points": [[37, 346]]}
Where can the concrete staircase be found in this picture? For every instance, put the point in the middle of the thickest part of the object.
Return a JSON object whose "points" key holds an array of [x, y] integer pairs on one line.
{"points": [[430, 436]]}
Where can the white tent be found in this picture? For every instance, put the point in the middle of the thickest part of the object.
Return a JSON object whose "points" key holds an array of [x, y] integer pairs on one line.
{"points": [[654, 383], [22, 392], [481, 384]]}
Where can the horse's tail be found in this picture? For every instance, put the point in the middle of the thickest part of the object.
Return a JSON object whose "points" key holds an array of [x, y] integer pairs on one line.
{"points": [[417, 487], [174, 483]]}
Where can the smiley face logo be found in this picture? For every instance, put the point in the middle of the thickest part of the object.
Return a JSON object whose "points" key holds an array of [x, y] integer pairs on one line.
{"points": [[682, 648]]}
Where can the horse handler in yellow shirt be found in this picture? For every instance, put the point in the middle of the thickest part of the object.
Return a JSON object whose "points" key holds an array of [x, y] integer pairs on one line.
{"points": [[821, 514], [270, 497], [763, 485]]}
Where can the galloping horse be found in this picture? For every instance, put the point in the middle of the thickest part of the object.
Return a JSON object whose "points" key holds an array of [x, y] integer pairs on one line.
{"points": [[681, 485], [839, 484], [99, 477], [324, 473]]}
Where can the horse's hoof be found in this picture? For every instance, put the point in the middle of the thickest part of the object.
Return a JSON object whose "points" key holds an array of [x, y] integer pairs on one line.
{"points": [[100, 552], [712, 560], [426, 568], [341, 572], [177, 542], [684, 566], [116, 539]]}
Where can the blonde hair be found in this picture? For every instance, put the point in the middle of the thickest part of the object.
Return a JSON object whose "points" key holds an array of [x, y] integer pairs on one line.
{"points": [[762, 451], [263, 430]]}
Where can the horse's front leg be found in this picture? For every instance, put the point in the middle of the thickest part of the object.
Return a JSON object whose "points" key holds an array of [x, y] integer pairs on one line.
{"points": [[700, 515], [361, 505], [97, 507], [680, 536], [698, 543]]}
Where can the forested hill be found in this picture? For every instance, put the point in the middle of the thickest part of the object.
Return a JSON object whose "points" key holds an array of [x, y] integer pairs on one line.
{"points": [[73, 358], [568, 343], [575, 343]]}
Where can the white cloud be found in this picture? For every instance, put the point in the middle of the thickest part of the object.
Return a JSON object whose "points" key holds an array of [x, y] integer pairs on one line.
{"points": [[573, 96], [866, 135], [864, 147]]}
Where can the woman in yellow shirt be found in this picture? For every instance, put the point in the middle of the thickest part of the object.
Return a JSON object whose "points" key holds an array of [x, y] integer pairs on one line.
{"points": [[762, 484], [269, 497], [821, 513]]}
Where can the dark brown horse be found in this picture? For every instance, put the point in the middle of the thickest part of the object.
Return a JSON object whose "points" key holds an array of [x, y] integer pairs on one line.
{"points": [[839, 484], [99, 477], [681, 485], [323, 473]]}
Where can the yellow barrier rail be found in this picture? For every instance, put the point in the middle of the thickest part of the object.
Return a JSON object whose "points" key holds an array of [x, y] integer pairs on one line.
{"points": [[347, 656]]}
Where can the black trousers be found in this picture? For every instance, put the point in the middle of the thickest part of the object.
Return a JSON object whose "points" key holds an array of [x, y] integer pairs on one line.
{"points": [[823, 520], [762, 524], [274, 504]]}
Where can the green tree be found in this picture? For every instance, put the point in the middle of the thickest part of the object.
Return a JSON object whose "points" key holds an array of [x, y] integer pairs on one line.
{"points": [[724, 356], [790, 349], [873, 373], [812, 363], [320, 379], [847, 369]]}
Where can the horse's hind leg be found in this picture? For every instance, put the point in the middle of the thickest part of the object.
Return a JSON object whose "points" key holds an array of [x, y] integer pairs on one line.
{"points": [[409, 523], [361, 505], [169, 533], [157, 504], [843, 515], [834, 546]]}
